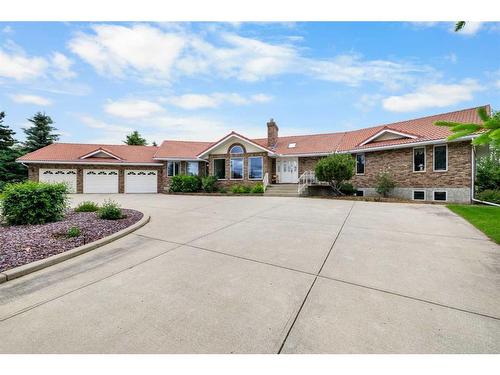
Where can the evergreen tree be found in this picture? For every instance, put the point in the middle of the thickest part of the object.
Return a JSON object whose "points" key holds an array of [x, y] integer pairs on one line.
{"points": [[10, 170], [6, 134], [488, 132], [154, 144], [41, 134], [135, 139]]}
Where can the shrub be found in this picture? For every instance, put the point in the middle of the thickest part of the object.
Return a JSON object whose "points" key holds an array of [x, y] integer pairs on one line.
{"points": [[258, 188], [209, 184], [185, 184], [490, 195], [34, 202], [110, 211], [488, 172], [237, 189], [347, 188], [241, 189], [87, 206], [385, 183], [335, 169], [73, 232], [222, 190]]}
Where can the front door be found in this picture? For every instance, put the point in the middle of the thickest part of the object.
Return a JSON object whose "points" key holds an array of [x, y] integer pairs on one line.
{"points": [[287, 170]]}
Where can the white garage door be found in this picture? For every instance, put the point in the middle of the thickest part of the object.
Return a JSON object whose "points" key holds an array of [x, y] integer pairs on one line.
{"points": [[100, 181], [67, 176], [141, 181]]}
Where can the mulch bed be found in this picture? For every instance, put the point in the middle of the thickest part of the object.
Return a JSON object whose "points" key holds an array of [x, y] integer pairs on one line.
{"points": [[22, 244]]}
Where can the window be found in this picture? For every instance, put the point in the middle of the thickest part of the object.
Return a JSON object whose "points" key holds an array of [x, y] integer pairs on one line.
{"points": [[236, 168], [236, 149], [419, 159], [360, 193], [419, 195], [173, 168], [192, 168], [360, 163], [440, 196], [220, 168], [255, 168], [441, 158]]}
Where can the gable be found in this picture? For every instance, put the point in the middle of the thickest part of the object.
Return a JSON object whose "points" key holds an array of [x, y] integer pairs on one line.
{"points": [[223, 148], [100, 153], [387, 135]]}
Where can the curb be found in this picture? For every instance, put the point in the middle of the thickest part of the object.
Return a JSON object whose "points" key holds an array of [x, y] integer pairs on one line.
{"points": [[26, 269]]}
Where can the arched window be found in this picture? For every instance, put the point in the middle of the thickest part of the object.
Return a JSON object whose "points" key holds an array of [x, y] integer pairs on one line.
{"points": [[236, 149]]}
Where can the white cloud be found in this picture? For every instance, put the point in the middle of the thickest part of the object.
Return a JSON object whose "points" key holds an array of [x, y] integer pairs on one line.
{"points": [[353, 70], [20, 67], [132, 108], [61, 66], [162, 54], [214, 100], [432, 96], [261, 98], [7, 30], [31, 99], [119, 51]]}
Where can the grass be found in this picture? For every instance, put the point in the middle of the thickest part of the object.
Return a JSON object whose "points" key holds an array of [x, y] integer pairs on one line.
{"points": [[484, 218]]}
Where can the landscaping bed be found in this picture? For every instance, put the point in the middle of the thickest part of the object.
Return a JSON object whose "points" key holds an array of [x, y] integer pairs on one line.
{"points": [[22, 244]]}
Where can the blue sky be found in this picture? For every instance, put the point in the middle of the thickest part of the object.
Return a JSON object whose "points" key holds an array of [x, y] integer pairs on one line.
{"points": [[198, 81]]}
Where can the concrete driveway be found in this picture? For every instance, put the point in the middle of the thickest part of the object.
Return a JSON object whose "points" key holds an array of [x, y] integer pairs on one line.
{"points": [[266, 275]]}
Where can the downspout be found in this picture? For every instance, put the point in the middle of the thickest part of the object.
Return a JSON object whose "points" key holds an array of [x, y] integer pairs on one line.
{"points": [[473, 180]]}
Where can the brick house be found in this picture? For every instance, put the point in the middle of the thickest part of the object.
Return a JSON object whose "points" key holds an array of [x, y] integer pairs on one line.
{"points": [[423, 164]]}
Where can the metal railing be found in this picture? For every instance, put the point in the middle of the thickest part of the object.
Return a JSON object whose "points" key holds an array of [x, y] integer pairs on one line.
{"points": [[306, 179], [265, 181]]}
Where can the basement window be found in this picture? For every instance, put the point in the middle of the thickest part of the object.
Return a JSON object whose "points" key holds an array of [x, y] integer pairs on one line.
{"points": [[292, 145], [440, 196], [419, 195], [360, 193]]}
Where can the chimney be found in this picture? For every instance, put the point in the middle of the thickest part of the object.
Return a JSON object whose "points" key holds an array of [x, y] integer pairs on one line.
{"points": [[272, 134]]}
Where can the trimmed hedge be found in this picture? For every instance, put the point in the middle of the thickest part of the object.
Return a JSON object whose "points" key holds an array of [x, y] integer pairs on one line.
{"points": [[185, 184], [34, 203]]}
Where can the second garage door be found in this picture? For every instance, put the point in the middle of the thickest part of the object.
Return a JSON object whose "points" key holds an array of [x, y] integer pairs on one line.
{"points": [[100, 181], [141, 181]]}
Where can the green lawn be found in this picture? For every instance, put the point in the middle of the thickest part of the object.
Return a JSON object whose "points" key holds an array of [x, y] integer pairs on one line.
{"points": [[484, 218]]}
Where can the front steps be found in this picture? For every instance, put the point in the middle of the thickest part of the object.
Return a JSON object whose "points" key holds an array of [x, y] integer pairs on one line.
{"points": [[281, 190]]}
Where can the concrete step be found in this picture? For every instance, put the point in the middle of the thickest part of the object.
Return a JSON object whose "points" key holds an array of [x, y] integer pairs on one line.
{"points": [[282, 190]]}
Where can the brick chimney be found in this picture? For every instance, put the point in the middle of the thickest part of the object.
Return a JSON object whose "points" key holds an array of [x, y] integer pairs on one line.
{"points": [[272, 134]]}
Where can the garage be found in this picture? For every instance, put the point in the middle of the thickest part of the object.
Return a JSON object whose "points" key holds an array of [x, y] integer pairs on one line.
{"points": [[100, 181], [141, 181], [67, 176]]}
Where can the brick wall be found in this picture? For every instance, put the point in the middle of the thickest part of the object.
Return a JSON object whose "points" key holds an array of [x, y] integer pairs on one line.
{"points": [[33, 173], [399, 163]]}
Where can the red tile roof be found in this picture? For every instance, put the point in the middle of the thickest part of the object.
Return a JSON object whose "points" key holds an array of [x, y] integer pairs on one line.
{"points": [[72, 152], [422, 128], [181, 149]]}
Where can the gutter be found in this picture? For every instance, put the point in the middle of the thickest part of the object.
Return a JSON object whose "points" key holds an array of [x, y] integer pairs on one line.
{"points": [[84, 163]]}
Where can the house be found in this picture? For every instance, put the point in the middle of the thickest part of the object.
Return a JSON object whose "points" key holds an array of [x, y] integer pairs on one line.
{"points": [[424, 165]]}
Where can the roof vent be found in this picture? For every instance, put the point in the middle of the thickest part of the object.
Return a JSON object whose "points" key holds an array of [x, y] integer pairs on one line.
{"points": [[292, 145]]}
